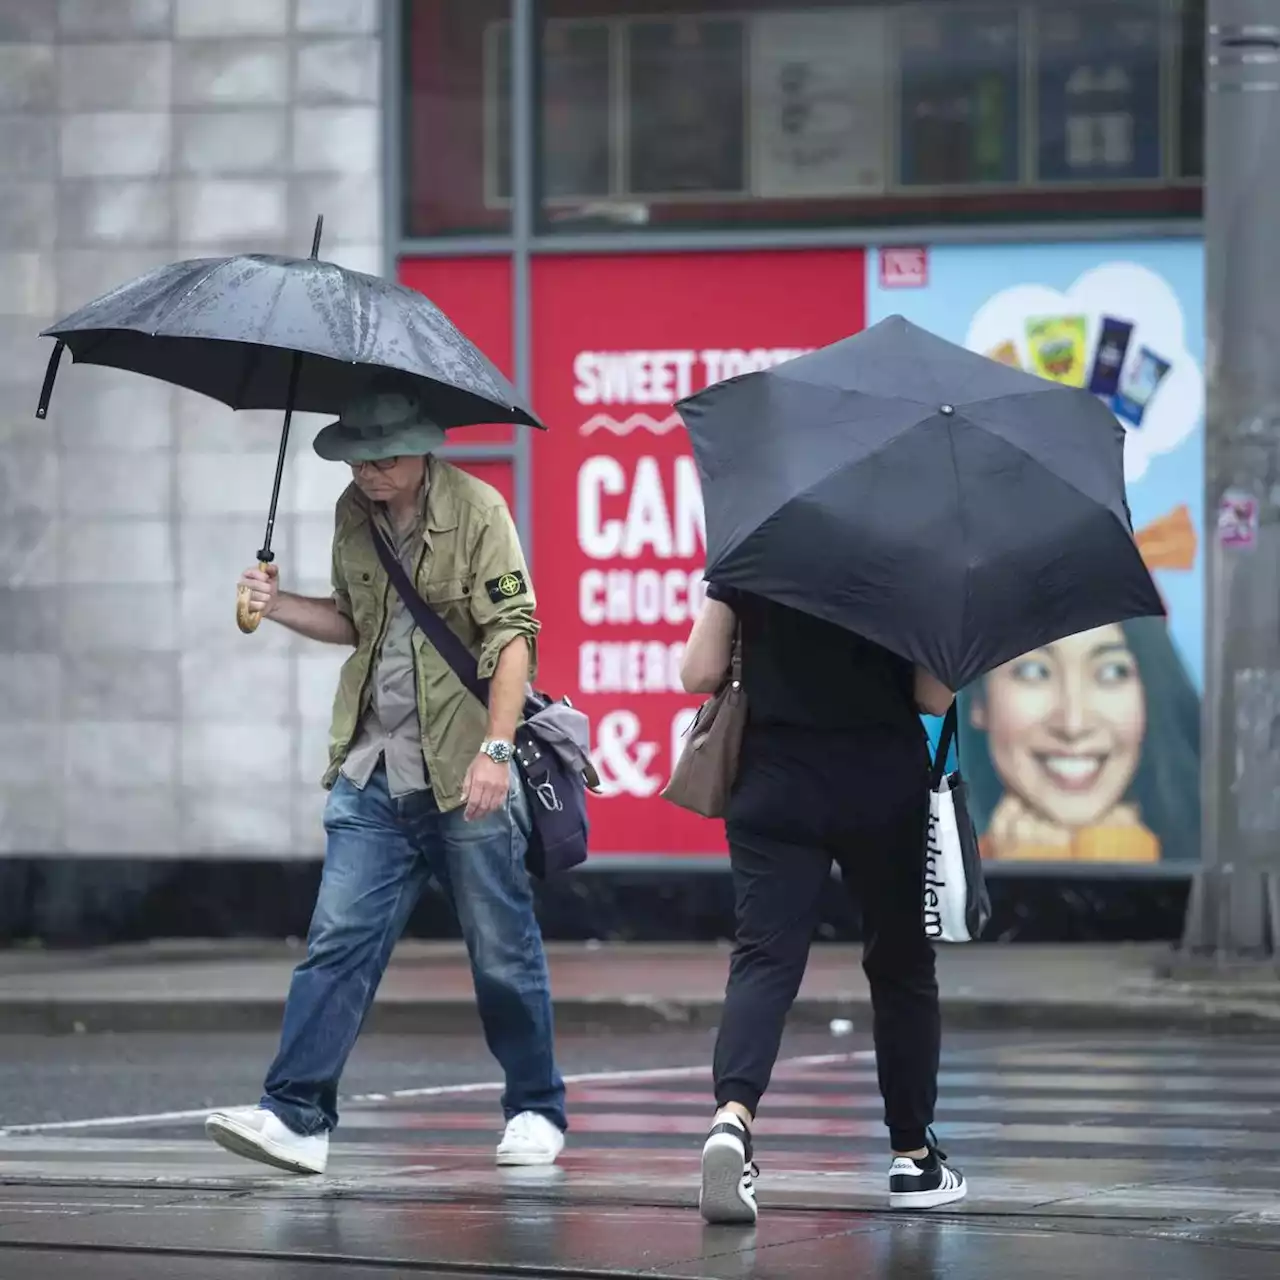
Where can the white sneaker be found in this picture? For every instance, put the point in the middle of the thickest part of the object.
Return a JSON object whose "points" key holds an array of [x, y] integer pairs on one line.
{"points": [[530, 1139], [925, 1184], [259, 1134], [728, 1193]]}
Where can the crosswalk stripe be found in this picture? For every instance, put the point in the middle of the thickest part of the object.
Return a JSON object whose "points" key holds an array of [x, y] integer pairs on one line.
{"points": [[781, 1101], [1141, 1101], [838, 1085], [1227, 1062]]}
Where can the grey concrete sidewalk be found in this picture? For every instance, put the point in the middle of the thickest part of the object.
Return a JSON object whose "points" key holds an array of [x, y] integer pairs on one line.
{"points": [[216, 986]]}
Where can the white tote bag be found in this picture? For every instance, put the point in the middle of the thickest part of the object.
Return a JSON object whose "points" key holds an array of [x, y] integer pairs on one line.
{"points": [[956, 904]]}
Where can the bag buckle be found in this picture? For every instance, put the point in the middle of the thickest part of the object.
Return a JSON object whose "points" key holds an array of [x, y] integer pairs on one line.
{"points": [[546, 793]]}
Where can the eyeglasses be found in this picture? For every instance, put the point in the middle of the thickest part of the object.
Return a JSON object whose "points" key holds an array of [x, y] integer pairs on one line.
{"points": [[378, 464]]}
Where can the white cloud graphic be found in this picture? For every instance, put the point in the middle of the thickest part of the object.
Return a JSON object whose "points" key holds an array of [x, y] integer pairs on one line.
{"points": [[1124, 291]]}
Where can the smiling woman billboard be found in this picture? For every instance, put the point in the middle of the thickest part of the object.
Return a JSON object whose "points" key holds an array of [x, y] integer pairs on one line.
{"points": [[1088, 750]]}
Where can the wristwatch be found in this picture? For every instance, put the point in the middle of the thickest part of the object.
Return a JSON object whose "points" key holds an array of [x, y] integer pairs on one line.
{"points": [[497, 750]]}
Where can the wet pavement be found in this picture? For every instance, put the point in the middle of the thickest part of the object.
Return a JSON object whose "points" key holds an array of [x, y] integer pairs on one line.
{"points": [[368, 1240], [1095, 1156], [59, 1078]]}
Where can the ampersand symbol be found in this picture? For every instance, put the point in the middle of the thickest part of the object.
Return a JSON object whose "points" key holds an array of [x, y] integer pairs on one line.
{"points": [[621, 759]]}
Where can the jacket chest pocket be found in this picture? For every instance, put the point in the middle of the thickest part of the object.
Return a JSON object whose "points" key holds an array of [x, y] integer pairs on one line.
{"points": [[450, 600], [364, 586], [446, 592]]}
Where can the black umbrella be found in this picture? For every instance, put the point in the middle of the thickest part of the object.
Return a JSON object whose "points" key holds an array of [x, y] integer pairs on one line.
{"points": [[952, 509], [259, 331]]}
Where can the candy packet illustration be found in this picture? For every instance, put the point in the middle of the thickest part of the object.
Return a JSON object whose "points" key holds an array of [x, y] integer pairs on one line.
{"points": [[1108, 360], [1005, 353], [1138, 384], [1057, 346]]}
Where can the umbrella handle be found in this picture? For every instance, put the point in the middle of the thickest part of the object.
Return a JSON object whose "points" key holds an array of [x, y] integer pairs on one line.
{"points": [[246, 619]]}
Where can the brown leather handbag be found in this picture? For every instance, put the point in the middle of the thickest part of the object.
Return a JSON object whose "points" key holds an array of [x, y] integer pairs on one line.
{"points": [[704, 774]]}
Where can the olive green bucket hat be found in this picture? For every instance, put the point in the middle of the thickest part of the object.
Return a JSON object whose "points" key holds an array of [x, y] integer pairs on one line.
{"points": [[380, 423]]}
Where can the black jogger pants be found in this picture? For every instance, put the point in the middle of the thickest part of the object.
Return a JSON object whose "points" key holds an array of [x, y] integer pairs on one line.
{"points": [[801, 804]]}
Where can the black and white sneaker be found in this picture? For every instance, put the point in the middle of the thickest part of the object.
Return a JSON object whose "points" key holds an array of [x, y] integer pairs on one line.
{"points": [[925, 1184], [728, 1194]]}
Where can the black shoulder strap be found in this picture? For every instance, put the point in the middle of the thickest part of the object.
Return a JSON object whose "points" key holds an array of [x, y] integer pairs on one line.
{"points": [[429, 622], [950, 725]]}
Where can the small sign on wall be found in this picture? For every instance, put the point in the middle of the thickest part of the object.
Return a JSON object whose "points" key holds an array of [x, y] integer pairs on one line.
{"points": [[1238, 520], [904, 267]]}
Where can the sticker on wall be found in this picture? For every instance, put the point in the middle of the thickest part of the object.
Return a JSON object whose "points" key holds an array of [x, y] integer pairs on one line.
{"points": [[904, 268], [1238, 520]]}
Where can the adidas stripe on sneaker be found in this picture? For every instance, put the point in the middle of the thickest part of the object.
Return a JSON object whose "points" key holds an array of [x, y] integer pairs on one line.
{"points": [[924, 1184]]}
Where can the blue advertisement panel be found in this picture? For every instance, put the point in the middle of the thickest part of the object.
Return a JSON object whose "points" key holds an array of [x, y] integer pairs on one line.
{"points": [[1088, 750]]}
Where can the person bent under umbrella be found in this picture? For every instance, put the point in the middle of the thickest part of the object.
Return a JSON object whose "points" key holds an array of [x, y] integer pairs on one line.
{"points": [[834, 768], [421, 784]]}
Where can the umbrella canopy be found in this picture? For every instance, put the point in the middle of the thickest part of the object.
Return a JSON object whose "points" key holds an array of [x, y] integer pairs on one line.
{"points": [[259, 331], [230, 327], [952, 509]]}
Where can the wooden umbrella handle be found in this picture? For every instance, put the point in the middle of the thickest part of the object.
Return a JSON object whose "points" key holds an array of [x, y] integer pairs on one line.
{"points": [[246, 618]]}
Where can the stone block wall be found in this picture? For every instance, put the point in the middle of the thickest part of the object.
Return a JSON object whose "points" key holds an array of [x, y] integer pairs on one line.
{"points": [[135, 720]]}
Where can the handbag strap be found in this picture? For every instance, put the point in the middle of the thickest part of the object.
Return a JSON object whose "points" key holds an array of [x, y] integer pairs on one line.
{"points": [[949, 734], [429, 622], [735, 657]]}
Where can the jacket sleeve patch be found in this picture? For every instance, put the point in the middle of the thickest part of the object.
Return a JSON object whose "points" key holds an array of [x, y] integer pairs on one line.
{"points": [[506, 586]]}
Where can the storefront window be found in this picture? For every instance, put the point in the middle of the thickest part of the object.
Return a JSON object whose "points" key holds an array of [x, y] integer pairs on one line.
{"points": [[454, 150], [739, 113]]}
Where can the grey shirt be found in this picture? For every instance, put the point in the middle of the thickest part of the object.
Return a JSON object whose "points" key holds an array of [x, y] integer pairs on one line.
{"points": [[389, 728]]}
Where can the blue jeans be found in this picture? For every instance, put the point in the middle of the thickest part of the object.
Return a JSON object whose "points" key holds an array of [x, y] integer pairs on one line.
{"points": [[381, 852]]}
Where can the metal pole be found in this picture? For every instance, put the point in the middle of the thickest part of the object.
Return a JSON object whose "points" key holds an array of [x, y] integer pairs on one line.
{"points": [[1233, 909], [524, 194]]}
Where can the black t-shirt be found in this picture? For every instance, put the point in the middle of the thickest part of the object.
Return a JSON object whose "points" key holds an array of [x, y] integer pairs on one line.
{"points": [[803, 672]]}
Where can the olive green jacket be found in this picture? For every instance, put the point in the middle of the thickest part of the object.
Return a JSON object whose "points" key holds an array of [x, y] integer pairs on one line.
{"points": [[473, 573]]}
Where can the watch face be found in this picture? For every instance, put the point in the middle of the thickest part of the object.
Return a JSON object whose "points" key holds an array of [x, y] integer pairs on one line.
{"points": [[499, 752]]}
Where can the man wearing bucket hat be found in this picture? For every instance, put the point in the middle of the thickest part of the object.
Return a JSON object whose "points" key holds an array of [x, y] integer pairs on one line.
{"points": [[421, 784]]}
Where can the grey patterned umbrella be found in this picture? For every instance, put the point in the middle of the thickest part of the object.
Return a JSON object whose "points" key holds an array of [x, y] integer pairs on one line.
{"points": [[231, 327], [259, 331]]}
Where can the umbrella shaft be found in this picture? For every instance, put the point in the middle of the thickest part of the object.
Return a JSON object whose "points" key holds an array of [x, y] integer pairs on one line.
{"points": [[265, 554]]}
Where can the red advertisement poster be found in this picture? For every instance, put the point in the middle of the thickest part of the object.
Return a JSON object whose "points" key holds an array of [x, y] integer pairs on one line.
{"points": [[475, 293], [619, 539]]}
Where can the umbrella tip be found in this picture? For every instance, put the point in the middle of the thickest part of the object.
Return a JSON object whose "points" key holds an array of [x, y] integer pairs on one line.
{"points": [[315, 239]]}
